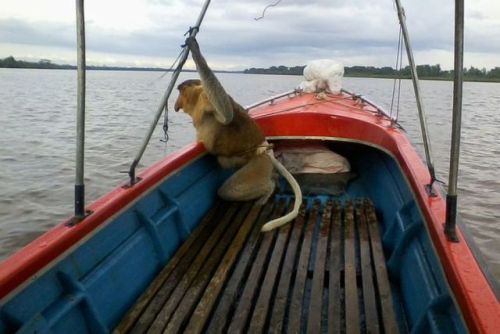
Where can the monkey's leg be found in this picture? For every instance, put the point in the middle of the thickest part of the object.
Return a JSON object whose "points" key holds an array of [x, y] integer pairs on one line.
{"points": [[252, 181]]}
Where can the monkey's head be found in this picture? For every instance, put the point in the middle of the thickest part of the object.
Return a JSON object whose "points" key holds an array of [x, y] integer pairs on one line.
{"points": [[192, 99]]}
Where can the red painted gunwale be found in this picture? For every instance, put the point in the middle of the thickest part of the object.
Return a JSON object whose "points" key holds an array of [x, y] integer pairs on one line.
{"points": [[337, 117]]}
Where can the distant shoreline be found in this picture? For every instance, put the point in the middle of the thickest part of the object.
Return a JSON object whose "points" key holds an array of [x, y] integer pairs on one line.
{"points": [[45, 64], [429, 72]]}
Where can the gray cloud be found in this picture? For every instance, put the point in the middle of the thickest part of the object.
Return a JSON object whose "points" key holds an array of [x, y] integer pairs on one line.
{"points": [[40, 33], [293, 31]]}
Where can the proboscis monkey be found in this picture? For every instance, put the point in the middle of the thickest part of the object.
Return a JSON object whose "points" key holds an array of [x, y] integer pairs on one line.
{"points": [[228, 132]]}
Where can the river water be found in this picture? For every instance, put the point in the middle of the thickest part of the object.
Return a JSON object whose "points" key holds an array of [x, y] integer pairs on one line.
{"points": [[37, 144]]}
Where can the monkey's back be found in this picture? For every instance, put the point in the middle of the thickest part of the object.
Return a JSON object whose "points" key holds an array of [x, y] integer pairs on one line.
{"points": [[241, 137]]}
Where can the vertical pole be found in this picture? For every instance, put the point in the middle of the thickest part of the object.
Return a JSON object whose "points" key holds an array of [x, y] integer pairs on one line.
{"points": [[80, 117], [451, 197]]}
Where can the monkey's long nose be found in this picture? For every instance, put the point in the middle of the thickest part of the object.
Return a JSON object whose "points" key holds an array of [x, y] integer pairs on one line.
{"points": [[177, 106]]}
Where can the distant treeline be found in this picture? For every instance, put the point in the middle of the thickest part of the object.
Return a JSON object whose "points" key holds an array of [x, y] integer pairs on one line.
{"points": [[44, 63], [11, 62], [424, 71]]}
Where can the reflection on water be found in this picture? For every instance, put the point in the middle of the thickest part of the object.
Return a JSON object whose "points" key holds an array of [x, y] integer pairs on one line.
{"points": [[37, 117]]}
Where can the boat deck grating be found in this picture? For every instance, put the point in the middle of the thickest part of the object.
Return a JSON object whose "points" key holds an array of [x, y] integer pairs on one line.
{"points": [[324, 272]]}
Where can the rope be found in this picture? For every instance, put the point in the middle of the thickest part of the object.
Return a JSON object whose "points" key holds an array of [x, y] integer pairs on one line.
{"points": [[190, 32], [165, 117], [265, 9], [399, 65]]}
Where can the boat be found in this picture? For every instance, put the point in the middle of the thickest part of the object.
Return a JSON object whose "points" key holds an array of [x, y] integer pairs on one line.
{"points": [[161, 253]]}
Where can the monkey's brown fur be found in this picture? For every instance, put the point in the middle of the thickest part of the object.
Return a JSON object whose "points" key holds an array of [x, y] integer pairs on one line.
{"points": [[238, 138], [235, 144], [227, 131]]}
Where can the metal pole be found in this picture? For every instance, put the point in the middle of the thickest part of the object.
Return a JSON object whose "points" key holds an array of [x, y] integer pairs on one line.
{"points": [[166, 95], [80, 118], [416, 88], [451, 197]]}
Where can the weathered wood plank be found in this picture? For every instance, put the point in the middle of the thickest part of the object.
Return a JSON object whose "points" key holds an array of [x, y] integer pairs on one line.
{"points": [[163, 316], [336, 259], [205, 305], [278, 313], [369, 297], [316, 305], [196, 289], [383, 285], [351, 288], [246, 301], [296, 303], [219, 319], [260, 313]]}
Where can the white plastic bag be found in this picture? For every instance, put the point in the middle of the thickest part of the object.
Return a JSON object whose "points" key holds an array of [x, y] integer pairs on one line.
{"points": [[323, 74]]}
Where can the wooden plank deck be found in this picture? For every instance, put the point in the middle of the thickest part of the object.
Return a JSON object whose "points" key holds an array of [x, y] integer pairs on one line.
{"points": [[322, 273]]}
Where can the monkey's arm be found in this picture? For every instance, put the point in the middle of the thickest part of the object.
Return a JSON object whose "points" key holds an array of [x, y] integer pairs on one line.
{"points": [[215, 92]]}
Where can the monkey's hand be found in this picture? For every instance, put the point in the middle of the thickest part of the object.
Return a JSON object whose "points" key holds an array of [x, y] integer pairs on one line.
{"points": [[192, 43]]}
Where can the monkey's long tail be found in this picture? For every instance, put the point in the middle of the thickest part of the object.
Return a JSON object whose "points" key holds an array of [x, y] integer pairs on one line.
{"points": [[270, 225]]}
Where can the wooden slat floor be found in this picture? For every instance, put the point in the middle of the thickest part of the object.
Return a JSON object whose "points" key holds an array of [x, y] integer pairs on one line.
{"points": [[323, 273]]}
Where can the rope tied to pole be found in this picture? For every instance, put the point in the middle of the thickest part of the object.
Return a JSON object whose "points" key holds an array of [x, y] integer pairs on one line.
{"points": [[190, 32], [397, 80], [180, 65]]}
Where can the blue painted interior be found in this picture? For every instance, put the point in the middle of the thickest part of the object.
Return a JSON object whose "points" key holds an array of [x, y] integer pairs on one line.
{"points": [[421, 294], [93, 286]]}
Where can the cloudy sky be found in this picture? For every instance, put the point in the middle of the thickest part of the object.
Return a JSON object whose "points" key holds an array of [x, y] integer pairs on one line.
{"points": [[150, 32]]}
